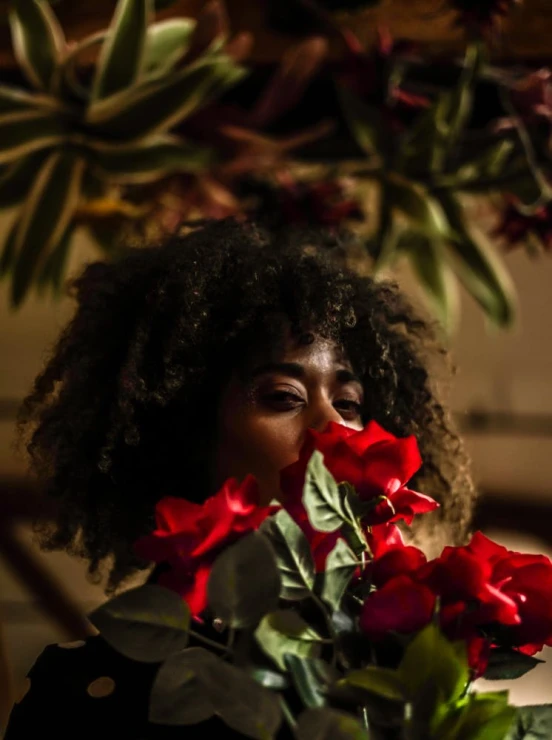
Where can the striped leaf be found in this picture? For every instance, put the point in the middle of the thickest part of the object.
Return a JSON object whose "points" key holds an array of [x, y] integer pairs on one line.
{"points": [[38, 41], [429, 263], [54, 267], [158, 105], [166, 43], [8, 251], [121, 57], [478, 267], [45, 217], [17, 176], [15, 99], [23, 133], [158, 157]]}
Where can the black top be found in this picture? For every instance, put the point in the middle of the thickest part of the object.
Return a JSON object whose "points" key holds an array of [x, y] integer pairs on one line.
{"points": [[86, 689]]}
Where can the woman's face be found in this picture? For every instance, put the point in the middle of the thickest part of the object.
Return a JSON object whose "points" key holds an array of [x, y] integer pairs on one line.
{"points": [[263, 419]]}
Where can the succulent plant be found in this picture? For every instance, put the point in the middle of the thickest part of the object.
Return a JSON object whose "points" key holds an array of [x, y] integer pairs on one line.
{"points": [[64, 141]]}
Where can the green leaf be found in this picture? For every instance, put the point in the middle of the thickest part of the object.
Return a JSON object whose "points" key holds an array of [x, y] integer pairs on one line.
{"points": [[532, 723], [54, 266], [321, 497], [270, 679], [293, 555], [17, 100], [329, 724], [379, 682], [17, 178], [38, 41], [477, 717], [431, 657], [24, 133], [244, 583], [457, 105], [148, 623], [505, 664], [490, 164], [157, 157], [477, 265], [311, 678], [429, 264], [341, 563], [8, 251], [157, 105], [365, 122], [421, 209], [166, 43], [194, 684], [45, 216], [178, 695], [282, 632], [119, 64]]}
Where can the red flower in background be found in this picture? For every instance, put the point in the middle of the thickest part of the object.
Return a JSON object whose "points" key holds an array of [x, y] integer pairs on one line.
{"points": [[189, 536], [527, 581], [516, 227], [480, 586]]}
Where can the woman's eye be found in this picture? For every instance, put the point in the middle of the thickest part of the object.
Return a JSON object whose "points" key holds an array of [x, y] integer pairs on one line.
{"points": [[283, 400], [348, 409]]}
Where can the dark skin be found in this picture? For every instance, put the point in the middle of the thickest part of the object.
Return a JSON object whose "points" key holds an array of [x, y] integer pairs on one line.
{"points": [[263, 418]]}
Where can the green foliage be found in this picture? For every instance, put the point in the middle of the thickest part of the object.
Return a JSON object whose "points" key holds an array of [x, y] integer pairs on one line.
{"points": [[531, 723], [148, 623], [282, 632], [117, 128], [244, 584], [293, 555], [194, 685]]}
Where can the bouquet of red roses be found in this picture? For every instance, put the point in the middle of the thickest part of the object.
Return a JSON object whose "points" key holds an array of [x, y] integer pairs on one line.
{"points": [[313, 619]]}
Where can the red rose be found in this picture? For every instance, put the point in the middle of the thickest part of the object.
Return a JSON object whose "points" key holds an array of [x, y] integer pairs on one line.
{"points": [[189, 536], [395, 562], [374, 461], [383, 537], [403, 605], [527, 581], [458, 576]]}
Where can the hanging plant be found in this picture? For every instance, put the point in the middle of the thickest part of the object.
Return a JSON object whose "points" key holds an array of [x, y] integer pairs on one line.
{"points": [[67, 142]]}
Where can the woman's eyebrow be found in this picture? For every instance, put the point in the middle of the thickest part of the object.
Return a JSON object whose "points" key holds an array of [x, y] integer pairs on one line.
{"points": [[347, 376], [285, 368]]}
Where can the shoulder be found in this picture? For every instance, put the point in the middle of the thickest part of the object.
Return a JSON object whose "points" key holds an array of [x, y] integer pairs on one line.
{"points": [[81, 682]]}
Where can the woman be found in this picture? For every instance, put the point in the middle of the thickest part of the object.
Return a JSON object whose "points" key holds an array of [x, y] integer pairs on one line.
{"points": [[190, 362]]}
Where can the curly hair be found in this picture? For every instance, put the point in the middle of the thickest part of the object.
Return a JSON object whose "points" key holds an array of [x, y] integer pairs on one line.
{"points": [[124, 411]]}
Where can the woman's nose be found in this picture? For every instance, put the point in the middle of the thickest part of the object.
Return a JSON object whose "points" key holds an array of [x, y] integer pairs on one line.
{"points": [[322, 414]]}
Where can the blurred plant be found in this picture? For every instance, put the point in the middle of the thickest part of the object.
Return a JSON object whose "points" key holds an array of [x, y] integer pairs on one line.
{"points": [[532, 229], [482, 14], [69, 142], [154, 136]]}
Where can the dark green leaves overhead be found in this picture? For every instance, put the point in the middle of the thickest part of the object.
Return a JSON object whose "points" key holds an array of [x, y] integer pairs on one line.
{"points": [[44, 217], [38, 41], [113, 126], [120, 61]]}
